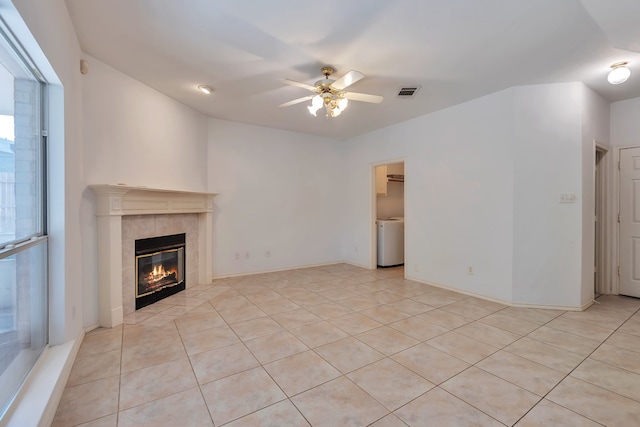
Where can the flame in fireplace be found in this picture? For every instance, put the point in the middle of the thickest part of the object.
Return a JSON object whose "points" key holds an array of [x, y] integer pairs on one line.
{"points": [[159, 273], [158, 270]]}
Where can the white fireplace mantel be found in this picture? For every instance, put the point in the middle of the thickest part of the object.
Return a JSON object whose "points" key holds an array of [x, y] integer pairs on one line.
{"points": [[116, 201]]}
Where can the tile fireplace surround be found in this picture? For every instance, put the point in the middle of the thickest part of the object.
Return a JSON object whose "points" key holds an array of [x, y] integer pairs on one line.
{"points": [[128, 213]]}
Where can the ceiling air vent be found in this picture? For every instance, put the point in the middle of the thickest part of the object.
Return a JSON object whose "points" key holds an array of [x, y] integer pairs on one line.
{"points": [[408, 91]]}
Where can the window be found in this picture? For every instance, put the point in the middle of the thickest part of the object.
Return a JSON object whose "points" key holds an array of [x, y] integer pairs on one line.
{"points": [[23, 242]]}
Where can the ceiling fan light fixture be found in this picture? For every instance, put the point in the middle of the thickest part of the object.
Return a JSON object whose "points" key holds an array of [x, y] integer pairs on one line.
{"points": [[317, 102], [619, 73], [207, 90], [313, 110], [330, 94]]}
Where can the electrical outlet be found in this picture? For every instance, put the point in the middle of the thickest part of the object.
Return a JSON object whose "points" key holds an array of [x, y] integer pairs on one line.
{"points": [[470, 269], [237, 255], [246, 255], [267, 253]]}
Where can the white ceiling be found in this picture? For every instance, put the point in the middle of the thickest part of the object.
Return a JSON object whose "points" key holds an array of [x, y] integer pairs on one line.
{"points": [[456, 50]]}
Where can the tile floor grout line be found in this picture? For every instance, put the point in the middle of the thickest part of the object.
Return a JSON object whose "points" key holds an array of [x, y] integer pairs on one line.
{"points": [[325, 277], [576, 367], [600, 326], [469, 403], [198, 385], [500, 349]]}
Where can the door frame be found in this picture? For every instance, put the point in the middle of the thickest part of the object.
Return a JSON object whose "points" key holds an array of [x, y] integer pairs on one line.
{"points": [[373, 195], [615, 243], [602, 239]]}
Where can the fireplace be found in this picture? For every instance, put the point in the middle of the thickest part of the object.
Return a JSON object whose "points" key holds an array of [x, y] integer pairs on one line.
{"points": [[160, 268], [125, 214]]}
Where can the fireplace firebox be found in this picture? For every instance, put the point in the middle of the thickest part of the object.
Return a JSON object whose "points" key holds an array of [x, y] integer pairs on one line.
{"points": [[160, 270]]}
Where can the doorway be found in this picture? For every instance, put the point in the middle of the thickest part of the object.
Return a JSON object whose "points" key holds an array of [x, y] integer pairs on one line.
{"points": [[388, 211], [600, 283]]}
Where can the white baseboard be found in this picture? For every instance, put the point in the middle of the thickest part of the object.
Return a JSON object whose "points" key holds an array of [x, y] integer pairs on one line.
{"points": [[91, 328], [358, 265], [501, 301], [225, 276], [449, 288], [555, 307]]}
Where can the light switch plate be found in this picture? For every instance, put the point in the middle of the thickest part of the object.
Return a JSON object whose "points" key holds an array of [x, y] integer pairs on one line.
{"points": [[567, 197]]}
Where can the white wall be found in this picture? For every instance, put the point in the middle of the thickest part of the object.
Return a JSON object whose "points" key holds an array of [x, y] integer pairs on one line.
{"points": [[135, 135], [310, 200], [595, 127], [458, 195], [278, 191], [391, 204], [548, 161], [483, 185], [625, 123]]}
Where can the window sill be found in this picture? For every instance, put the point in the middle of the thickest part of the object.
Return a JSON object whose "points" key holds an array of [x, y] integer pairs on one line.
{"points": [[37, 400]]}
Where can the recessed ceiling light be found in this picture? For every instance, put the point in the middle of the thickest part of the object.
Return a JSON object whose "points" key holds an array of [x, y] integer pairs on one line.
{"points": [[619, 73], [207, 90]]}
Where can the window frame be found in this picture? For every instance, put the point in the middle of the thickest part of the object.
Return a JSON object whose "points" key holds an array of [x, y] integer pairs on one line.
{"points": [[30, 67], [39, 237]]}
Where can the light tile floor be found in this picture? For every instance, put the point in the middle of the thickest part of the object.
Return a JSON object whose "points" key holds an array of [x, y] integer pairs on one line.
{"points": [[345, 346]]}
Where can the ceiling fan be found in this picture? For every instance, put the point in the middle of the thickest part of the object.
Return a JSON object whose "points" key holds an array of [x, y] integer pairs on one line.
{"points": [[330, 94]]}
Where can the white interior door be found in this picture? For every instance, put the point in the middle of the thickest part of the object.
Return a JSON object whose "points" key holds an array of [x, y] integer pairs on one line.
{"points": [[630, 222]]}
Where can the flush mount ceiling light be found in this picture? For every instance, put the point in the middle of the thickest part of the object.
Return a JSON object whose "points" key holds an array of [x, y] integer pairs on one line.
{"points": [[619, 73], [207, 90], [330, 95]]}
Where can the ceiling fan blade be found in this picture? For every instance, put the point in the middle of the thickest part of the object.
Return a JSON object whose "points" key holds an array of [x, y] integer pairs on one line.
{"points": [[364, 97], [347, 80], [296, 101], [302, 85]]}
